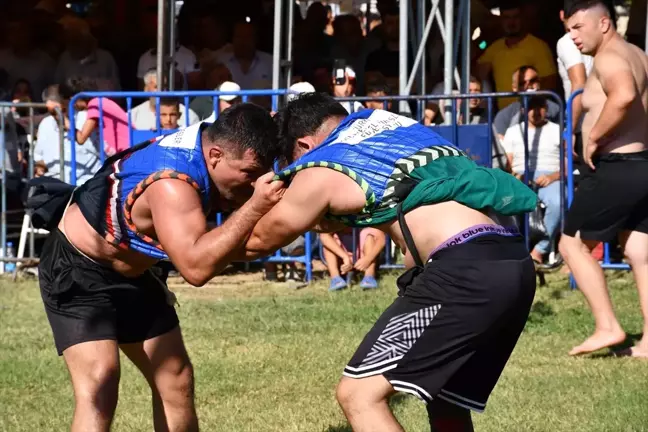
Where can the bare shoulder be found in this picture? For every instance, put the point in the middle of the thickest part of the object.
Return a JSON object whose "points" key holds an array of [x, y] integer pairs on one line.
{"points": [[609, 61], [343, 194]]}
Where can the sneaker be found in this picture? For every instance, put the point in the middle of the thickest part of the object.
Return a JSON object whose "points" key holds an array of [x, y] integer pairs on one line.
{"points": [[368, 282], [337, 284]]}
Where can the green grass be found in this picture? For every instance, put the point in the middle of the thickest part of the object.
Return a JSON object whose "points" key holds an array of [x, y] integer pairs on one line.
{"points": [[268, 359]]}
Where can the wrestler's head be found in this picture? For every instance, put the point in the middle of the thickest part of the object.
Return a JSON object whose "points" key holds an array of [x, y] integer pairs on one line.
{"points": [[589, 23], [306, 121], [239, 146]]}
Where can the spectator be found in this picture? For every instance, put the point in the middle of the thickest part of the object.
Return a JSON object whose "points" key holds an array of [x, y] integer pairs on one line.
{"points": [[249, 67], [183, 59], [330, 29], [351, 46], [21, 93], [339, 247], [115, 120], [378, 89], [524, 79], [82, 58], [312, 44], [299, 88], [214, 75], [347, 90], [169, 113], [225, 101], [574, 68], [22, 60], [516, 49], [432, 114], [47, 147], [386, 59], [143, 115], [477, 114], [544, 165]]}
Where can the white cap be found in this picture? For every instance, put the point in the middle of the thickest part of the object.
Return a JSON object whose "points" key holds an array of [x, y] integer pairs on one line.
{"points": [[299, 88], [350, 72], [229, 86]]}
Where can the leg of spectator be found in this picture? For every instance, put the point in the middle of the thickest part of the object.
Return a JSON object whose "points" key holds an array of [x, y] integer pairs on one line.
{"points": [[365, 404], [550, 196], [447, 417], [591, 281], [94, 369], [165, 364], [332, 263], [635, 246], [367, 246]]}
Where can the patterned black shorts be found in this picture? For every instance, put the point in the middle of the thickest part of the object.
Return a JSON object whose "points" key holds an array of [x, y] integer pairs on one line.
{"points": [[454, 324]]}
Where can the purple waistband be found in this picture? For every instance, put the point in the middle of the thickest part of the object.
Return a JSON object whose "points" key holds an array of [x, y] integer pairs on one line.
{"points": [[474, 232]]}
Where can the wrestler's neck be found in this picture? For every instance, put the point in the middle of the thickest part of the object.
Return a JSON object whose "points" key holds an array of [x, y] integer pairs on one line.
{"points": [[609, 40]]}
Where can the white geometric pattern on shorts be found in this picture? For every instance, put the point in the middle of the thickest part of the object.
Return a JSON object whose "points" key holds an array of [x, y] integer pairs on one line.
{"points": [[400, 334]]}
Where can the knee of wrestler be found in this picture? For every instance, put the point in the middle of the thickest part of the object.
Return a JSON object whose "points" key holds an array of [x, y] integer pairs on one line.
{"points": [[347, 393], [99, 387], [568, 246], [636, 254], [175, 382]]}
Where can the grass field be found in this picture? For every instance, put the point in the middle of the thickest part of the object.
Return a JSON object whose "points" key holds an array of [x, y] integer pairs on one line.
{"points": [[268, 359]]}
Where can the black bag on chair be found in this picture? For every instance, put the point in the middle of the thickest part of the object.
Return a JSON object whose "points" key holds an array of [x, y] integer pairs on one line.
{"points": [[537, 228], [46, 200]]}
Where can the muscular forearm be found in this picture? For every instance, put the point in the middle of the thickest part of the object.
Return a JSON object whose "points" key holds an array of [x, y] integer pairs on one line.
{"points": [[612, 115], [216, 249]]}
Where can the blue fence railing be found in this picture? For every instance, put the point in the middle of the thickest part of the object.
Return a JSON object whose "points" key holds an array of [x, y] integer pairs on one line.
{"points": [[569, 135], [476, 139]]}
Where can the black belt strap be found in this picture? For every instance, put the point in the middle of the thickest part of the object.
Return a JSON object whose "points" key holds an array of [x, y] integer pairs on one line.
{"points": [[407, 236]]}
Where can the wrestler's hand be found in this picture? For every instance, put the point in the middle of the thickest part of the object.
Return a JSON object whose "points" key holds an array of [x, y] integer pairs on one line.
{"points": [[590, 150], [347, 265], [267, 193]]}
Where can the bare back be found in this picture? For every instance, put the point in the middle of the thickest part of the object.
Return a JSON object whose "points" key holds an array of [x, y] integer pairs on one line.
{"points": [[632, 134]]}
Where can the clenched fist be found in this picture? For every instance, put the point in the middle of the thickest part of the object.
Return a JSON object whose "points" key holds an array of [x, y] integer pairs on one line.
{"points": [[267, 193]]}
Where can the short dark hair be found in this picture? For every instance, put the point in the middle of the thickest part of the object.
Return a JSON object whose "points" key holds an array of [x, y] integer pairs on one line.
{"points": [[74, 85], [169, 101], [572, 6], [303, 116], [506, 5], [245, 127], [536, 102], [378, 86], [391, 11]]}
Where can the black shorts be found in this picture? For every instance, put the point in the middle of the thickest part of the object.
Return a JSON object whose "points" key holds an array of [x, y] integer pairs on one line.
{"points": [[612, 198], [86, 301], [454, 324]]}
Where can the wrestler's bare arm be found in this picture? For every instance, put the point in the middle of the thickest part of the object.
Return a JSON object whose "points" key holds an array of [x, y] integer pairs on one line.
{"points": [[615, 75], [181, 226], [301, 208]]}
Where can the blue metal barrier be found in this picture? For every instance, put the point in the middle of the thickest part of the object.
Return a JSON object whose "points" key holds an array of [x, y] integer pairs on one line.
{"points": [[569, 132], [186, 95]]}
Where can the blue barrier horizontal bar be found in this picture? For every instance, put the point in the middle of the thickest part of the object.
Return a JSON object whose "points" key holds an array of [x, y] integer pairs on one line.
{"points": [[454, 96], [615, 266]]}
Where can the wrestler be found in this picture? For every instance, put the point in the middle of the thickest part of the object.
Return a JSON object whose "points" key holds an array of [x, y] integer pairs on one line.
{"points": [[612, 197], [147, 204], [468, 291]]}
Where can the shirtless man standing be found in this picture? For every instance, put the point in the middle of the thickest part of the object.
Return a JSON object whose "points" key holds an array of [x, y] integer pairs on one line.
{"points": [[466, 297], [612, 198], [147, 204]]}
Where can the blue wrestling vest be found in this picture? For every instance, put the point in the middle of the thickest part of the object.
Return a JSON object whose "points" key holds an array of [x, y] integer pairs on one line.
{"points": [[396, 160], [107, 199], [378, 150]]}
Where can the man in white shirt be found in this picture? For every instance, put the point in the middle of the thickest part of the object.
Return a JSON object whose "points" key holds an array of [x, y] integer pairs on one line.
{"points": [[544, 165], [143, 115], [249, 66], [47, 146], [574, 67]]}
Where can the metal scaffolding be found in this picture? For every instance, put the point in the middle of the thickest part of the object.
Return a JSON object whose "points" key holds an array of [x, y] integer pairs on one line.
{"points": [[415, 36]]}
